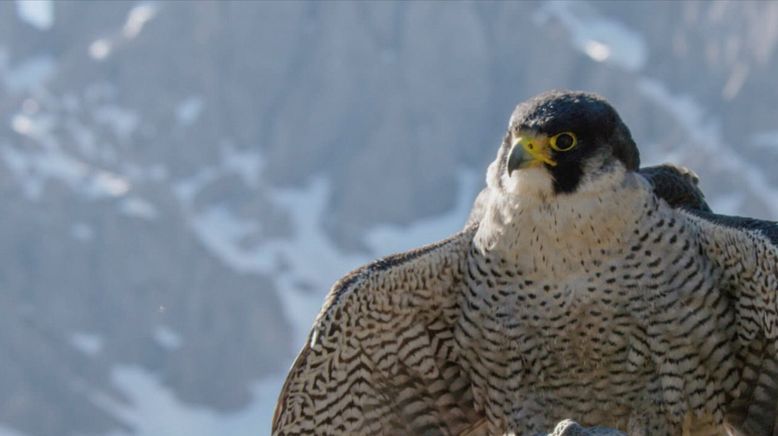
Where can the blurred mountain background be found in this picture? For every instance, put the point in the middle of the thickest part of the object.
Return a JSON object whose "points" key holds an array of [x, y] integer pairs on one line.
{"points": [[182, 181]]}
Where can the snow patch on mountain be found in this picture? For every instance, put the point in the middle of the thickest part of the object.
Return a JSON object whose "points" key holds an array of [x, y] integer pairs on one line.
{"points": [[37, 128], [137, 18], [305, 265], [168, 339], [388, 238], [601, 38], [705, 132], [123, 122], [88, 343], [155, 172], [154, 410], [100, 49], [247, 164], [37, 13], [221, 231], [767, 139], [27, 76], [33, 168], [82, 232], [188, 111], [308, 260], [313, 261], [138, 207], [5, 431], [55, 144], [186, 189]]}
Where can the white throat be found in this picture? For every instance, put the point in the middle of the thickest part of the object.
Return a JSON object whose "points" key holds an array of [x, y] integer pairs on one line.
{"points": [[527, 213]]}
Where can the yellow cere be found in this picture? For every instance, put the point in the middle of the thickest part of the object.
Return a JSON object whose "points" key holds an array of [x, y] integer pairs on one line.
{"points": [[537, 147]]}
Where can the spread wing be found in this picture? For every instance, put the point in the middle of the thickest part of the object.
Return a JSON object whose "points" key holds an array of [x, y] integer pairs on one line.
{"points": [[746, 250], [379, 358]]}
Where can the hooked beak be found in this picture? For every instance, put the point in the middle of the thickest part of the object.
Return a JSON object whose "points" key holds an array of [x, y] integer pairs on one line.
{"points": [[529, 151]]}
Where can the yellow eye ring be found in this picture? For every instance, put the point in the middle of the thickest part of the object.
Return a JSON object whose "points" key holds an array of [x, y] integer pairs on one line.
{"points": [[563, 141]]}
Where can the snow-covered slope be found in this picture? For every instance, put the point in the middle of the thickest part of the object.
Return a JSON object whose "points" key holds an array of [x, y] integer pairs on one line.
{"points": [[182, 182]]}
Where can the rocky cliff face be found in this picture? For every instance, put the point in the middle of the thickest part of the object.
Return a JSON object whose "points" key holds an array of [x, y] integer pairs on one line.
{"points": [[181, 182]]}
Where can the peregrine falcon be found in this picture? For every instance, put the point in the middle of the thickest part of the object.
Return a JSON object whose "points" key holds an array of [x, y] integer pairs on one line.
{"points": [[582, 287]]}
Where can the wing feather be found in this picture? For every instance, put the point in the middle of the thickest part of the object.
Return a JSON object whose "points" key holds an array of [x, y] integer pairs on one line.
{"points": [[378, 359], [746, 252], [755, 410], [677, 186]]}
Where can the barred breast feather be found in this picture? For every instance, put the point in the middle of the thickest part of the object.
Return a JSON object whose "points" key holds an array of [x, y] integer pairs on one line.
{"points": [[386, 355]]}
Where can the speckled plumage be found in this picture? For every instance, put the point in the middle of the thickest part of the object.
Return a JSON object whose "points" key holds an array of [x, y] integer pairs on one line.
{"points": [[614, 313], [584, 289]]}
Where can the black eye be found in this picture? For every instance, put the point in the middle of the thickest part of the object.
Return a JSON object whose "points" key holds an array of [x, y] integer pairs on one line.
{"points": [[563, 141]]}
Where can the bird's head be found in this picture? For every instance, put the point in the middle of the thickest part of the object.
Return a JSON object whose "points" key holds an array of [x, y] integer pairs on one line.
{"points": [[559, 142]]}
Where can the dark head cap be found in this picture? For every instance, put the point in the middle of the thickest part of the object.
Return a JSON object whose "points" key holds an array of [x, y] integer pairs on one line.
{"points": [[590, 116], [570, 133]]}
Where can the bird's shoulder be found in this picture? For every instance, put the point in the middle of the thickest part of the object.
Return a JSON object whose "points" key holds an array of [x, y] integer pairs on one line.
{"points": [[739, 225], [435, 265], [745, 251], [676, 185]]}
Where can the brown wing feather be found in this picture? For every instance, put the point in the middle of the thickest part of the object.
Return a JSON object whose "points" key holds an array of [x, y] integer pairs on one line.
{"points": [[731, 239], [379, 358], [745, 250], [676, 185]]}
